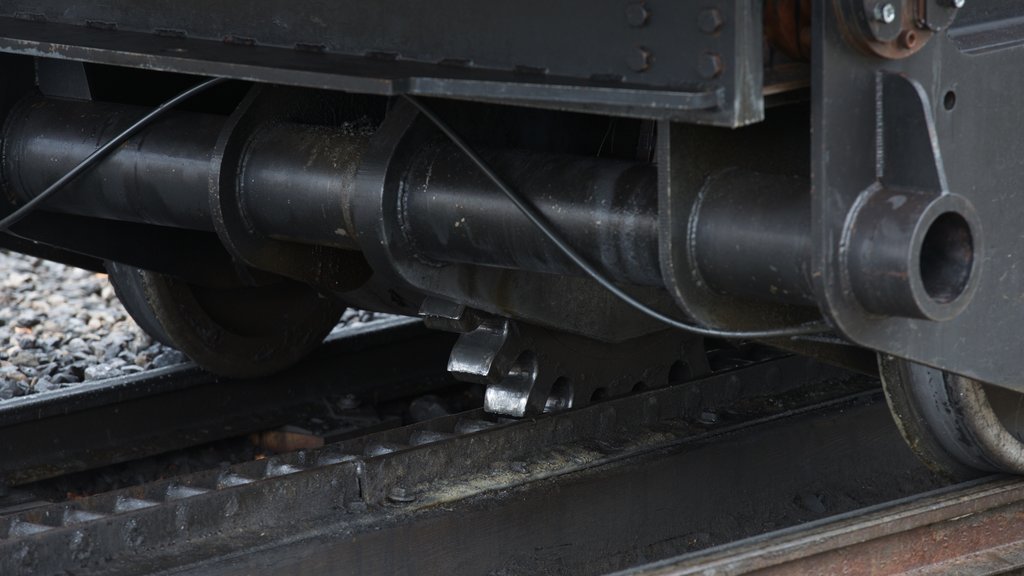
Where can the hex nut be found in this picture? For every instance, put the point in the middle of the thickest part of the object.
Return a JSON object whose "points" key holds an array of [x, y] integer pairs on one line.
{"points": [[637, 14], [710, 20], [885, 13], [709, 65], [639, 60]]}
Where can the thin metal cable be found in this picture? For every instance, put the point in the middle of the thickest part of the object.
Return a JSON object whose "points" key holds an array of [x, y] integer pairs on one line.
{"points": [[541, 223], [101, 152]]}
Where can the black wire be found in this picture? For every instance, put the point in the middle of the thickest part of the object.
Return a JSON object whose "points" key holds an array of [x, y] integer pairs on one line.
{"points": [[541, 223], [98, 154]]}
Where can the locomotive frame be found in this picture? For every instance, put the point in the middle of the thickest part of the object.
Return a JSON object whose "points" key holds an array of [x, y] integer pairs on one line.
{"points": [[779, 164]]}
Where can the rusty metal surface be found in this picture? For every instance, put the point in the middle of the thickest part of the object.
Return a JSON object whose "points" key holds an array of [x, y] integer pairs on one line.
{"points": [[971, 528], [787, 27]]}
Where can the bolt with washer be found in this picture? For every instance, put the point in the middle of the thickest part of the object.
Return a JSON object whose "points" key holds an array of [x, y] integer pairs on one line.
{"points": [[399, 495], [886, 12]]}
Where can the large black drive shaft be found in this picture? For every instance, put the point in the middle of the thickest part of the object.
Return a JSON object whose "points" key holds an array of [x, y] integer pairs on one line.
{"points": [[296, 183], [160, 176], [293, 179]]}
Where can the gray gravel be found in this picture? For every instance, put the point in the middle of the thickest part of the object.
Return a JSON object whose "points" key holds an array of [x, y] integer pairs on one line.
{"points": [[60, 326]]}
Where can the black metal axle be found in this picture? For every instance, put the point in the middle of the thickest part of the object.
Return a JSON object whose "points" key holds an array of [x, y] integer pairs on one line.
{"points": [[606, 208], [158, 177], [749, 232], [293, 180], [296, 183]]}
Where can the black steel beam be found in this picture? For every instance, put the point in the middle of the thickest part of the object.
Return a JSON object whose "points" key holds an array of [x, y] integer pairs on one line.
{"points": [[647, 59]]}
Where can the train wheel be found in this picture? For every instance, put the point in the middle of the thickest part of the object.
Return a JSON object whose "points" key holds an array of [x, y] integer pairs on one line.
{"points": [[237, 332], [959, 427]]}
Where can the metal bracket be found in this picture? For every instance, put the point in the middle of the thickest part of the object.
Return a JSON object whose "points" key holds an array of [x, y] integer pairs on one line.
{"points": [[328, 269], [687, 156], [63, 79], [949, 134], [909, 245], [908, 151]]}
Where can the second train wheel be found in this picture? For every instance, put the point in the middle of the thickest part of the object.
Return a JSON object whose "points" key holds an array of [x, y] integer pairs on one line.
{"points": [[240, 332], [959, 427]]}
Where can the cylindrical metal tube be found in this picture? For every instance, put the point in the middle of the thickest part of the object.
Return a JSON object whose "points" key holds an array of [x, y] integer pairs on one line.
{"points": [[751, 236], [750, 232], [606, 209], [297, 182], [160, 176], [912, 254]]}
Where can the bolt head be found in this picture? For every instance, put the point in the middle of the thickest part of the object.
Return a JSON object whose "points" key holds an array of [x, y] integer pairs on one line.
{"points": [[639, 60], [710, 20], [399, 495], [709, 65], [908, 39], [885, 12], [637, 14]]}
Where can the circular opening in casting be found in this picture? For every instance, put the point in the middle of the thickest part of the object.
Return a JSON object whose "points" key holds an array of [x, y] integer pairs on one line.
{"points": [[947, 256]]}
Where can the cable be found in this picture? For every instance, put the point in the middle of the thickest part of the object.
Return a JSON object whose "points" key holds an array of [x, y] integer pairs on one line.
{"points": [[101, 152], [541, 223]]}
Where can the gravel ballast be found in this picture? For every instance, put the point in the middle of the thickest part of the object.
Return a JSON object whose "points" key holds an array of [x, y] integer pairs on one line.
{"points": [[60, 326]]}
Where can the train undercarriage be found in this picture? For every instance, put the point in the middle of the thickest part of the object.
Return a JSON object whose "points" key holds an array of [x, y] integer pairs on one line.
{"points": [[589, 195]]}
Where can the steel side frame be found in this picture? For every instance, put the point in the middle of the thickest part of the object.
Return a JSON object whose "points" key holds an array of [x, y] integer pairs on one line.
{"points": [[630, 58], [977, 147]]}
